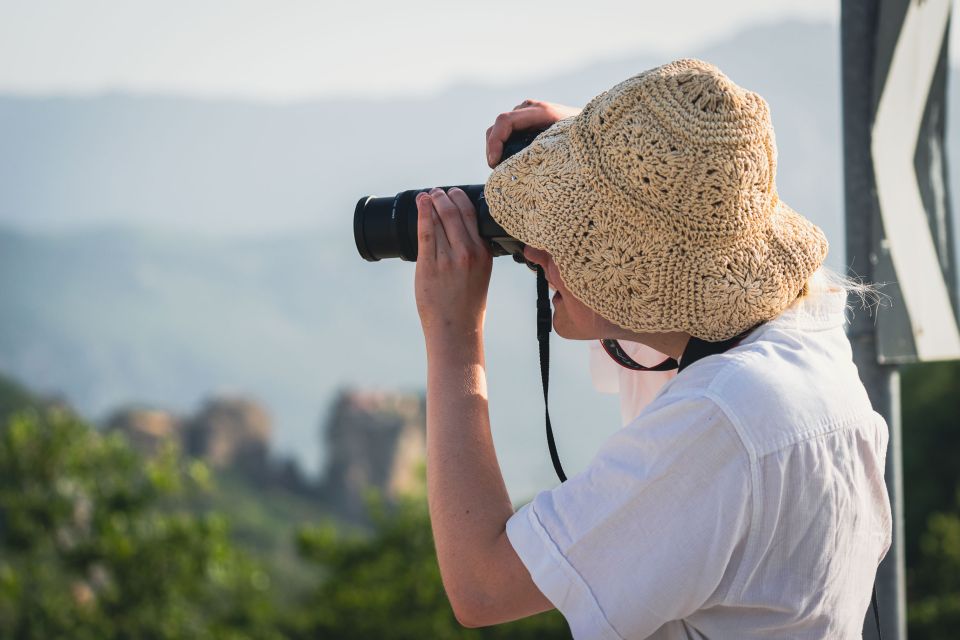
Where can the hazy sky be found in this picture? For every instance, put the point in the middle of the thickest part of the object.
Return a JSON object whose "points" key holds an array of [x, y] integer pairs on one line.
{"points": [[290, 49]]}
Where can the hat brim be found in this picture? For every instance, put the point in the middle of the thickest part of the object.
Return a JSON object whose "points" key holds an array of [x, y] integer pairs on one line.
{"points": [[756, 279]]}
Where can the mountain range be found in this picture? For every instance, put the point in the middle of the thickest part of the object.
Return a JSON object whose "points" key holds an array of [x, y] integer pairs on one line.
{"points": [[159, 249]]}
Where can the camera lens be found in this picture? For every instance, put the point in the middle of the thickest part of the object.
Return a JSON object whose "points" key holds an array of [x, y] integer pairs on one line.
{"points": [[386, 227]]}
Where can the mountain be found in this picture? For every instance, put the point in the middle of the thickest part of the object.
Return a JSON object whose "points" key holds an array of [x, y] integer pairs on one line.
{"points": [[238, 168], [158, 249], [111, 315]]}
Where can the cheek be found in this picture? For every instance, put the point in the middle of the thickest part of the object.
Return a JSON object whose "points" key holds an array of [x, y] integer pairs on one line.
{"points": [[577, 311], [577, 318], [594, 323]]}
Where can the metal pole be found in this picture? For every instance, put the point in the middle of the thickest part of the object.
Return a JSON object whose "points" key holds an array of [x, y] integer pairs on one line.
{"points": [[858, 26]]}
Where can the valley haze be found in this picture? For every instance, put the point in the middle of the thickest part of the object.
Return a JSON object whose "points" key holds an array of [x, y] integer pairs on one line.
{"points": [[159, 249]]}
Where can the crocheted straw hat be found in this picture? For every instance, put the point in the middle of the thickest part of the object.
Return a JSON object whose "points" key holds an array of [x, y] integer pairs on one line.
{"points": [[658, 205]]}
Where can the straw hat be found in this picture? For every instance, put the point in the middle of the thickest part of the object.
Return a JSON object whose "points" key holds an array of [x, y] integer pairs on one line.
{"points": [[658, 205]]}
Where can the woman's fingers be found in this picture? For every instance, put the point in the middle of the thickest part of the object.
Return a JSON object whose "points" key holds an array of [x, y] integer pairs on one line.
{"points": [[447, 231], [443, 243], [452, 220], [469, 212], [426, 238], [529, 114], [506, 123], [431, 239]]}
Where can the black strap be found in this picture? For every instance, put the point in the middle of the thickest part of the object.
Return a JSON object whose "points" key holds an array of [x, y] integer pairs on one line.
{"points": [[544, 325], [696, 349], [876, 614], [615, 351]]}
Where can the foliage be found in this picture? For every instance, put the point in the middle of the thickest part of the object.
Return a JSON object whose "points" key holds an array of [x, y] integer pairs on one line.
{"points": [[935, 613], [388, 585], [96, 542], [91, 546], [264, 519], [931, 465], [14, 397]]}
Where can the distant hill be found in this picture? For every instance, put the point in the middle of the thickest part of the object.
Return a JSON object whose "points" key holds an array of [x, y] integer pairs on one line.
{"points": [[240, 167], [110, 316], [159, 249], [236, 168]]}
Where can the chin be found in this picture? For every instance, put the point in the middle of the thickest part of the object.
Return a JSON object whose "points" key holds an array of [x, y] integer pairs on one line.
{"points": [[570, 333], [560, 328]]}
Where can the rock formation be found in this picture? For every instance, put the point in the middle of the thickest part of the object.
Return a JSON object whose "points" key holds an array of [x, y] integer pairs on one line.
{"points": [[146, 428], [229, 432], [375, 440]]}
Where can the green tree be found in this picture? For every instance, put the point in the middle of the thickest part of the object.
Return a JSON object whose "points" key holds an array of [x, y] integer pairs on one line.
{"points": [[14, 398], [93, 546], [931, 464], [935, 610], [387, 584]]}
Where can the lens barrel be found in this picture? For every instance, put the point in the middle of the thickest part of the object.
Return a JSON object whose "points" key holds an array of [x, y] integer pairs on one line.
{"points": [[386, 227]]}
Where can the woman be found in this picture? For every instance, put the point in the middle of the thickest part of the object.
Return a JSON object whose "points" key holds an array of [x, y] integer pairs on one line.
{"points": [[746, 500]]}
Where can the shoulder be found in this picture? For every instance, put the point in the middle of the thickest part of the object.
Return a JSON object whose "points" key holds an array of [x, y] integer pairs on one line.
{"points": [[671, 492], [785, 383], [678, 426]]}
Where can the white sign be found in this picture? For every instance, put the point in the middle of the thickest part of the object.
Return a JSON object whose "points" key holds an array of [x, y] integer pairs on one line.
{"points": [[896, 130]]}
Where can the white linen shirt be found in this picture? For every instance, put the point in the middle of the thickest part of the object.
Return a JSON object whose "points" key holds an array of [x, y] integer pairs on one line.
{"points": [[746, 500]]}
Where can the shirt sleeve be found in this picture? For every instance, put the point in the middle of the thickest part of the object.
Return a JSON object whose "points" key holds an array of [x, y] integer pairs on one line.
{"points": [[650, 531]]}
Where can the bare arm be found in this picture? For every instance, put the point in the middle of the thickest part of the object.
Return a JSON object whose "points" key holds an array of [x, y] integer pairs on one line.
{"points": [[485, 580], [469, 505]]}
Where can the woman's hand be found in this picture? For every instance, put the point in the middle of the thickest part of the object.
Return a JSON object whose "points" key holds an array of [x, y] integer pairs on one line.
{"points": [[453, 267], [529, 114]]}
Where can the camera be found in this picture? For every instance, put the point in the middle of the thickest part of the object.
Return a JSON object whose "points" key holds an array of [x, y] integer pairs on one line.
{"points": [[386, 227]]}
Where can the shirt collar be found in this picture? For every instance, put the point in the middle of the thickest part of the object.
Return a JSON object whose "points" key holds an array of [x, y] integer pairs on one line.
{"points": [[819, 311]]}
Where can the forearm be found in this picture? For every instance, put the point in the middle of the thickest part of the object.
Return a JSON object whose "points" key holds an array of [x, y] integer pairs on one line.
{"points": [[468, 500]]}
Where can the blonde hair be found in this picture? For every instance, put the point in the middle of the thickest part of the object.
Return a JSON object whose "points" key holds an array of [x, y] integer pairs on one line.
{"points": [[827, 281]]}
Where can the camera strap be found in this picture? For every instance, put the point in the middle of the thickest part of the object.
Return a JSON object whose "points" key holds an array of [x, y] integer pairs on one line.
{"points": [[615, 351], [695, 350]]}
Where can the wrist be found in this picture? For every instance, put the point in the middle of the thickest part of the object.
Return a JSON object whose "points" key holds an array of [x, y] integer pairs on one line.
{"points": [[454, 343]]}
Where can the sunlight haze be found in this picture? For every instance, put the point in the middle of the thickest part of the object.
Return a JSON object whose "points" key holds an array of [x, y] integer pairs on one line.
{"points": [[296, 49]]}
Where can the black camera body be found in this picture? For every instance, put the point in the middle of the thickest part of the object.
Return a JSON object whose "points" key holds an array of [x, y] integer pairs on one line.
{"points": [[386, 227]]}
